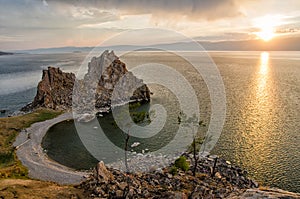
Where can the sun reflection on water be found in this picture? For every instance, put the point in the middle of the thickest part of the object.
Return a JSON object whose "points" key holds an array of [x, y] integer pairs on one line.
{"points": [[257, 133], [264, 61], [263, 76]]}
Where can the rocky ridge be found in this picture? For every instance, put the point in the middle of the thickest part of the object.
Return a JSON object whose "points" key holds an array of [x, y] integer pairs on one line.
{"points": [[225, 180], [60, 90]]}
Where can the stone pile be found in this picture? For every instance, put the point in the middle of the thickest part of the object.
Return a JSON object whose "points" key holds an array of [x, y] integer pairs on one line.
{"points": [[112, 183]]}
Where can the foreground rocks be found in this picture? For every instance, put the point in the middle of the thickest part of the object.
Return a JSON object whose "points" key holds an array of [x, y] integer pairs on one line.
{"points": [[265, 193], [112, 183], [60, 91]]}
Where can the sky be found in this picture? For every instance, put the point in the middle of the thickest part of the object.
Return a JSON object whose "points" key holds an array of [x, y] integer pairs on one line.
{"points": [[30, 24]]}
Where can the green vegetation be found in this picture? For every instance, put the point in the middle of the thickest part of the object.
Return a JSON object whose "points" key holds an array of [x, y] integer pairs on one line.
{"points": [[182, 164], [134, 105], [173, 170], [10, 166], [139, 117], [6, 158]]}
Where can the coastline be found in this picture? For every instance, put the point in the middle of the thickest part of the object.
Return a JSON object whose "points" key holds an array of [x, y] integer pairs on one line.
{"points": [[30, 153]]}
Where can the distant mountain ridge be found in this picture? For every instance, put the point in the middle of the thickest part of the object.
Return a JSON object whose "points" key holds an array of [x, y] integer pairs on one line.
{"points": [[6, 53], [276, 44]]}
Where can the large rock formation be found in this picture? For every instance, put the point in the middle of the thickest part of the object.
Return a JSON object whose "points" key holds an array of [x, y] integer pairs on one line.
{"points": [[60, 91], [54, 91]]}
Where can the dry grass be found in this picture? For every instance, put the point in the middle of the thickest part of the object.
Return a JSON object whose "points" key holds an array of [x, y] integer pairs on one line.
{"points": [[14, 182], [33, 189], [10, 166]]}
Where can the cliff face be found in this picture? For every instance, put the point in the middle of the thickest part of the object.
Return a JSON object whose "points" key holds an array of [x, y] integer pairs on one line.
{"points": [[54, 91], [57, 89]]}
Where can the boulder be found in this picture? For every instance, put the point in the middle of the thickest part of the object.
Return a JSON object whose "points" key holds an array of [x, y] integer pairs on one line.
{"points": [[103, 174]]}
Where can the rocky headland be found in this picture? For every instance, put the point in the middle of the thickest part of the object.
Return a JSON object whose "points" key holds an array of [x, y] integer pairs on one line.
{"points": [[59, 90]]}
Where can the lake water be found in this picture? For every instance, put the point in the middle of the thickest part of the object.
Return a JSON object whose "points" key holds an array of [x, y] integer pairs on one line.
{"points": [[262, 128]]}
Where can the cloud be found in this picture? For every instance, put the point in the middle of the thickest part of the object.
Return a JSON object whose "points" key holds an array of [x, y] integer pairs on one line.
{"points": [[45, 3], [172, 9], [45, 14], [287, 30]]}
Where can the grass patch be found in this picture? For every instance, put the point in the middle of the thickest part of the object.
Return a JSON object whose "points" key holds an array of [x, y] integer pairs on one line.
{"points": [[10, 166]]}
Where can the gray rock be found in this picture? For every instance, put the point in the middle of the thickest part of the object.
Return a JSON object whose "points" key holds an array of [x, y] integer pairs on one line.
{"points": [[103, 173]]}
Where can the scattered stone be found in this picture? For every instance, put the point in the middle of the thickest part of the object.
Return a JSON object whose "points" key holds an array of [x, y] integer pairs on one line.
{"points": [[135, 144], [267, 193], [218, 175], [103, 174], [159, 183], [85, 117]]}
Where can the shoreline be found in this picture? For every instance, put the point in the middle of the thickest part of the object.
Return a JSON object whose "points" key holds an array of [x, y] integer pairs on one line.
{"points": [[30, 152]]}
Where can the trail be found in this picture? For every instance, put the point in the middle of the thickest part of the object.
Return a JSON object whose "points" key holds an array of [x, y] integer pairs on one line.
{"points": [[31, 154]]}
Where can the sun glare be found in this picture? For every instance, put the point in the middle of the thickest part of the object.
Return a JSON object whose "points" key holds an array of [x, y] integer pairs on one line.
{"points": [[267, 26], [266, 33]]}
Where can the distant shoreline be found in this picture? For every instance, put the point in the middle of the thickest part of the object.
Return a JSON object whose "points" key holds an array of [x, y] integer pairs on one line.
{"points": [[5, 53]]}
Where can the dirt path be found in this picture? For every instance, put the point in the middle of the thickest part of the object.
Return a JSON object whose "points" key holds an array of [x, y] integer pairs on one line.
{"points": [[30, 153]]}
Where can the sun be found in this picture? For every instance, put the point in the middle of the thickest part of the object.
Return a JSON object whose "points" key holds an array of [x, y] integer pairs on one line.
{"points": [[266, 25], [266, 34]]}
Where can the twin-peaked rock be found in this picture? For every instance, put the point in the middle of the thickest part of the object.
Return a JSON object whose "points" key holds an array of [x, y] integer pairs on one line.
{"points": [[59, 90]]}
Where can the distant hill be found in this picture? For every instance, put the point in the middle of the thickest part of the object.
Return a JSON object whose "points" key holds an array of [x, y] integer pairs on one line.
{"points": [[276, 44], [5, 53]]}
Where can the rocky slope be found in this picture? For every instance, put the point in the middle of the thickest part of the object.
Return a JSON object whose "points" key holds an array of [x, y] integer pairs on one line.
{"points": [[227, 181], [60, 91]]}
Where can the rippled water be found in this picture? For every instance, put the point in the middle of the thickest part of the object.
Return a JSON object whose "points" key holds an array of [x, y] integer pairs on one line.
{"points": [[261, 131]]}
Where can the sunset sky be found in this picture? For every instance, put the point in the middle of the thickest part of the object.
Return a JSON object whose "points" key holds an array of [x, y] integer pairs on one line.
{"points": [[29, 24]]}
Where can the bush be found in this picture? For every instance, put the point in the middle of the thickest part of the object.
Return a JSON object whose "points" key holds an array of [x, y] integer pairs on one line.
{"points": [[6, 158], [182, 163], [173, 170]]}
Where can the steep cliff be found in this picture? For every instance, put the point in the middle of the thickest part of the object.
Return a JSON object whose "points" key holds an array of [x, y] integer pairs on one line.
{"points": [[57, 89]]}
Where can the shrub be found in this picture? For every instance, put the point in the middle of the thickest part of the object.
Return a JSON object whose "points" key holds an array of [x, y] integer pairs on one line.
{"points": [[182, 163], [173, 170]]}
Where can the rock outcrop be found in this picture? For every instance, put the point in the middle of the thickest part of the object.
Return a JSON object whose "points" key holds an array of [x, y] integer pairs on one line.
{"points": [[61, 91], [54, 91], [229, 181], [160, 183]]}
